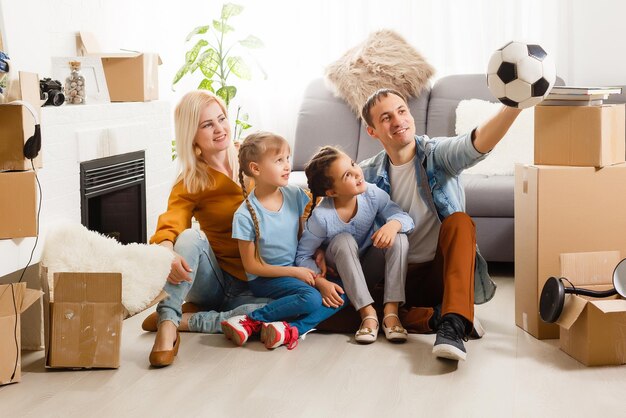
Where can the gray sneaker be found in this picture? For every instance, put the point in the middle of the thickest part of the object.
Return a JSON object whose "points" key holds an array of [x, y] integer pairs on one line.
{"points": [[476, 333], [450, 337]]}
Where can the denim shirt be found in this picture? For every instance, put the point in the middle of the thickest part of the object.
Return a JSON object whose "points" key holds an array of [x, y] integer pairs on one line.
{"points": [[438, 163]]}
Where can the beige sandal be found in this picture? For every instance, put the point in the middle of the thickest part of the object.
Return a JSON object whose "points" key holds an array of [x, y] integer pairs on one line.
{"points": [[366, 335], [396, 333]]}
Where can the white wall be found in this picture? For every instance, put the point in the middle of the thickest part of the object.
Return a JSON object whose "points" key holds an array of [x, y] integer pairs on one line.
{"points": [[597, 44], [303, 37]]}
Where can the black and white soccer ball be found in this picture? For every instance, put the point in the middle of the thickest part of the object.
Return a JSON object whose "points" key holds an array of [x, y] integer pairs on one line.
{"points": [[520, 75]]}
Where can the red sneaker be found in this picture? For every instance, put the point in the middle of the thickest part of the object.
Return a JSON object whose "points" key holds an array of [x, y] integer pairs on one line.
{"points": [[276, 334], [239, 328]]}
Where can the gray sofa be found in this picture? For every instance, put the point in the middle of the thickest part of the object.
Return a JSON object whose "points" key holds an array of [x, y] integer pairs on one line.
{"points": [[327, 120]]}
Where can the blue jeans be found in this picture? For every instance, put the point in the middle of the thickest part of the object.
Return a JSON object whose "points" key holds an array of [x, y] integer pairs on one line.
{"points": [[217, 293], [294, 301]]}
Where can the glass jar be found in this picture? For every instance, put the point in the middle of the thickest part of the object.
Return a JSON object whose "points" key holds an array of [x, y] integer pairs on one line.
{"points": [[75, 85]]}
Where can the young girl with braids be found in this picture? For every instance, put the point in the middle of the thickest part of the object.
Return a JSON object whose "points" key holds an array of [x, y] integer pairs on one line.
{"points": [[267, 226], [344, 222]]}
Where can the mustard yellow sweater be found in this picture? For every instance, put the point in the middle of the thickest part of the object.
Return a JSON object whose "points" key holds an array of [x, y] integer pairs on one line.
{"points": [[214, 210]]}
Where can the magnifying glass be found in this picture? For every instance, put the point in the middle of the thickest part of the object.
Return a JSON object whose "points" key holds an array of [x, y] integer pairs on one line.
{"points": [[553, 293]]}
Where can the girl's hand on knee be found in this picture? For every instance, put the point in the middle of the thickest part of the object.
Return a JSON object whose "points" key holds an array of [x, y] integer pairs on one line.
{"points": [[179, 271], [330, 292], [304, 274], [385, 236]]}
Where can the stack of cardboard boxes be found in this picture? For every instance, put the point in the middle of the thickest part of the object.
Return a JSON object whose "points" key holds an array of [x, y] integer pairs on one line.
{"points": [[17, 180], [18, 219], [572, 200]]}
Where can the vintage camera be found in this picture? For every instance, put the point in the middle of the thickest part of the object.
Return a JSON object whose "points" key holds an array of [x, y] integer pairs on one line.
{"points": [[52, 92]]}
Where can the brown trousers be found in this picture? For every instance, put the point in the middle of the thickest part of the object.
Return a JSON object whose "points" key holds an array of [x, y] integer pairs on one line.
{"points": [[447, 280]]}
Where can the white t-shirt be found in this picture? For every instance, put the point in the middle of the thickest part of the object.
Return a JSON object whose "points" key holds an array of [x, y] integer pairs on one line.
{"points": [[423, 239]]}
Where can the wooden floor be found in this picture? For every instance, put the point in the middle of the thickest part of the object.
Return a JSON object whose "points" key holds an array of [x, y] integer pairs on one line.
{"points": [[507, 373]]}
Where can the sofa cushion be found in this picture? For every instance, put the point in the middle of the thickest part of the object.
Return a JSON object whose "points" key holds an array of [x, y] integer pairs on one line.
{"points": [[445, 97], [488, 196], [323, 119], [383, 60], [517, 145]]}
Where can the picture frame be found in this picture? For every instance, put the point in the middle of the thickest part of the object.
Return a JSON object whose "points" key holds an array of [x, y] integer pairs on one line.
{"points": [[91, 68]]}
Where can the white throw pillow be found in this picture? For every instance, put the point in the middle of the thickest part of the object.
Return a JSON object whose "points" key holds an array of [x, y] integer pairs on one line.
{"points": [[517, 146]]}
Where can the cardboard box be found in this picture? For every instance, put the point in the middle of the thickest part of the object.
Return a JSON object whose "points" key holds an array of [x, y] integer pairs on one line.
{"points": [[562, 210], [18, 204], [32, 320], [84, 324], [14, 299], [16, 126], [131, 76], [580, 135], [592, 330]]}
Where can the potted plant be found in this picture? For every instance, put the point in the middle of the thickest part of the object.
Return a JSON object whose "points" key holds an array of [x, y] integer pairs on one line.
{"points": [[218, 60]]}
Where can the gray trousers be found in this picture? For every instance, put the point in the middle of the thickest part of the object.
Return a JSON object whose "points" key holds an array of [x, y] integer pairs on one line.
{"points": [[359, 275]]}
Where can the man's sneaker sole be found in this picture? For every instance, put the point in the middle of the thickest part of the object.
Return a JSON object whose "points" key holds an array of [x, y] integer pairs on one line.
{"points": [[477, 330], [231, 333], [449, 351]]}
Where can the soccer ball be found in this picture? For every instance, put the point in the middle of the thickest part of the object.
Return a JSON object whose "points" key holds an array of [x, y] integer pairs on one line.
{"points": [[520, 75]]}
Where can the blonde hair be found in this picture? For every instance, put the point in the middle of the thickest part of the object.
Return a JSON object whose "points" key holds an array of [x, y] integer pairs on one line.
{"points": [[253, 148], [194, 170]]}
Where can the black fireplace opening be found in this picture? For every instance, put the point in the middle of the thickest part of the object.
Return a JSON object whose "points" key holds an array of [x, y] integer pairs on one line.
{"points": [[113, 196]]}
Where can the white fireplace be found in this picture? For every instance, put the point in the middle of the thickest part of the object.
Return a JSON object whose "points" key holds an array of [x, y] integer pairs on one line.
{"points": [[74, 134]]}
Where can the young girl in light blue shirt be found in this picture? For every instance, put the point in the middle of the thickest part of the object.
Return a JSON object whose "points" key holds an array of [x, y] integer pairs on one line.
{"points": [[267, 227]]}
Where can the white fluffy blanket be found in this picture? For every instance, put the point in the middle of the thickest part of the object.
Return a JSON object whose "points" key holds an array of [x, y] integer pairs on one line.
{"points": [[70, 247]]}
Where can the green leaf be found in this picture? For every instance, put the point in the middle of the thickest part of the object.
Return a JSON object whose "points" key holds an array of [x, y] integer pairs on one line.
{"points": [[197, 31], [252, 42], [208, 66], [192, 54], [239, 68], [243, 124], [181, 72], [207, 62], [223, 28], [229, 10], [227, 93], [244, 117], [206, 84]]}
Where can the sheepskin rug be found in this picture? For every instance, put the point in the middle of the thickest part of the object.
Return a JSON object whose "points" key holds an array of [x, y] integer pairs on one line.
{"points": [[70, 247], [383, 60]]}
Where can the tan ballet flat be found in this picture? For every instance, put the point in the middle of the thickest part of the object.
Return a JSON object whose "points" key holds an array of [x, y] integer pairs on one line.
{"points": [[396, 333], [366, 335]]}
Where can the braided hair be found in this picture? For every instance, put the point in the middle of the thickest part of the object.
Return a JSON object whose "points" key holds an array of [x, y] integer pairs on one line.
{"points": [[253, 148], [316, 171]]}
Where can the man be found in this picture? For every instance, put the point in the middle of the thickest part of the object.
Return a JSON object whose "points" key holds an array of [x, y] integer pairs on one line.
{"points": [[445, 271]]}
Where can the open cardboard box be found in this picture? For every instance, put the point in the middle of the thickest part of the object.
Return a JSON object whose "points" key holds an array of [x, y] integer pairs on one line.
{"points": [[130, 76], [592, 330], [14, 300], [83, 319], [558, 210]]}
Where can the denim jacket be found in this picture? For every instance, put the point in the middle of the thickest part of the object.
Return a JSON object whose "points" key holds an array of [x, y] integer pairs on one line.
{"points": [[438, 163]]}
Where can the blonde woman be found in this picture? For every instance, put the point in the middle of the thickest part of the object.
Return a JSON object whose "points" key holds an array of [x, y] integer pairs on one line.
{"points": [[207, 270]]}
